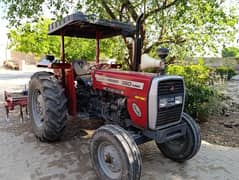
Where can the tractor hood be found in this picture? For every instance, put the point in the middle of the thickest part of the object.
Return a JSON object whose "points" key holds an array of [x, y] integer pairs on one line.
{"points": [[127, 83]]}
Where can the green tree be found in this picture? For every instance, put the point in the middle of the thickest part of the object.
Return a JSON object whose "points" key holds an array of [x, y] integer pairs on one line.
{"points": [[230, 52], [31, 10], [33, 38], [186, 27]]}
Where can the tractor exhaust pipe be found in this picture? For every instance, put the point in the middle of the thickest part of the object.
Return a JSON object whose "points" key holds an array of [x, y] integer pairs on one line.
{"points": [[138, 43]]}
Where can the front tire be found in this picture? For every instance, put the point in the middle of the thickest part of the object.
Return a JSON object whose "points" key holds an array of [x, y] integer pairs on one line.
{"points": [[47, 106], [185, 147], [114, 154]]}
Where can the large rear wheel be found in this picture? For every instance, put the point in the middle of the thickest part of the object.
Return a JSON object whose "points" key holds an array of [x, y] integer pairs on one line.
{"points": [[47, 106], [114, 154], [185, 147]]}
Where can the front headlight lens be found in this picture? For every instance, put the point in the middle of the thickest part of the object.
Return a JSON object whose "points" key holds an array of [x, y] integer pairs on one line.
{"points": [[170, 101], [163, 102], [178, 100]]}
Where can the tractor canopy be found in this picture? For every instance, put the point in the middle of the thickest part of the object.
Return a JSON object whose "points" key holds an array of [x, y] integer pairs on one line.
{"points": [[90, 26]]}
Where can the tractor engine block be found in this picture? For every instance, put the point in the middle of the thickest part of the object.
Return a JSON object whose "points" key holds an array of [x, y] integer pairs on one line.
{"points": [[102, 104]]}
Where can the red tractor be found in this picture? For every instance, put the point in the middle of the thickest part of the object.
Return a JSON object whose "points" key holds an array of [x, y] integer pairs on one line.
{"points": [[136, 107]]}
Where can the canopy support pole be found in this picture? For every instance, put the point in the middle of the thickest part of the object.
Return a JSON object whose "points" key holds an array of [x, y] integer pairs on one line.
{"points": [[97, 47], [63, 59], [62, 48]]}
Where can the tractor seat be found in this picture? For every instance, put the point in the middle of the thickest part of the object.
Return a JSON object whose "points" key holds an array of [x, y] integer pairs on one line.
{"points": [[80, 67]]}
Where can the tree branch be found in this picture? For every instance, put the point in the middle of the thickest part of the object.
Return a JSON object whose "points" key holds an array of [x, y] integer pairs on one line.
{"points": [[108, 10], [129, 60], [175, 41], [164, 6], [121, 12], [131, 10]]}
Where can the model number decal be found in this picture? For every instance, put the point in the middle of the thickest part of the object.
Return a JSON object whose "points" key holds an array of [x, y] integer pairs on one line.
{"points": [[121, 82]]}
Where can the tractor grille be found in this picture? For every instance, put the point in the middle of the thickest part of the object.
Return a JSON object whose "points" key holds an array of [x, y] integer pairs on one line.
{"points": [[169, 115], [170, 88]]}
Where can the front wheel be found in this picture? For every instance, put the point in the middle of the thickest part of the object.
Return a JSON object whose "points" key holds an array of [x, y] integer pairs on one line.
{"points": [[185, 147], [114, 154]]}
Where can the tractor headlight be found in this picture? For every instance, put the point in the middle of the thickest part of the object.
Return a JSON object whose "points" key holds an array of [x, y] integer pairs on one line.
{"points": [[178, 100], [170, 101], [163, 102]]}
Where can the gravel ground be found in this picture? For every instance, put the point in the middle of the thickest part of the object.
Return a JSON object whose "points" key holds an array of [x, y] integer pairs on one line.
{"points": [[215, 131], [224, 129], [23, 157]]}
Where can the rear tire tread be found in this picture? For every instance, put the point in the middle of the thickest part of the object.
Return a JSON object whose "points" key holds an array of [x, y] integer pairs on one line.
{"points": [[55, 106]]}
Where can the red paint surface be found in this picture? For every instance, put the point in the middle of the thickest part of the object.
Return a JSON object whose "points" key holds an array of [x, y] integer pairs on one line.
{"points": [[70, 91], [129, 92]]}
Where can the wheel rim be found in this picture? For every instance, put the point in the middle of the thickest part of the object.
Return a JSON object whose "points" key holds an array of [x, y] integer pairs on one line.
{"points": [[38, 108], [109, 160]]}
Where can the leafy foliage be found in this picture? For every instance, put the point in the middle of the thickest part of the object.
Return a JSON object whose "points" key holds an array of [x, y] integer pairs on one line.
{"points": [[18, 11], [230, 52], [200, 96], [33, 38], [185, 27], [224, 71]]}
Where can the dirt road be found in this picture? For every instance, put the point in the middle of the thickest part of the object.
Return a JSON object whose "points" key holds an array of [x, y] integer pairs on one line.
{"points": [[23, 157]]}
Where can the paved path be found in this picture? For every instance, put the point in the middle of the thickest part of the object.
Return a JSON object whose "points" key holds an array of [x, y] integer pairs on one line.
{"points": [[23, 157]]}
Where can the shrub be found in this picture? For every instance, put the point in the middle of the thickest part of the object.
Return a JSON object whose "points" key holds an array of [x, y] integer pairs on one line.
{"points": [[225, 71], [201, 98], [230, 52]]}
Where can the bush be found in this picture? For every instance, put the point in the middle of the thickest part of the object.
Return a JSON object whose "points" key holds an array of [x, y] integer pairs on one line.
{"points": [[230, 52], [201, 98], [224, 71]]}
